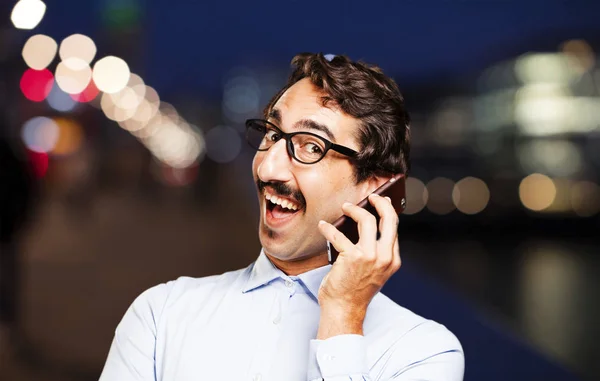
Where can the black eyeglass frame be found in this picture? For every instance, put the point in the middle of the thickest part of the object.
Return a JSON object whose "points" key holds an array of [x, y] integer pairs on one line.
{"points": [[290, 147]]}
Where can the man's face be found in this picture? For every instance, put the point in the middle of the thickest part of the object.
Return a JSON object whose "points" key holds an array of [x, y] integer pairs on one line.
{"points": [[316, 191]]}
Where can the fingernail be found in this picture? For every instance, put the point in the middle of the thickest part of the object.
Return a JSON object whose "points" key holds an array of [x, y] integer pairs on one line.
{"points": [[387, 198], [321, 222], [346, 204]]}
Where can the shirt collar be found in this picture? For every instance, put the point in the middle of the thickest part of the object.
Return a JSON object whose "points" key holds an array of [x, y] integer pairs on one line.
{"points": [[264, 271]]}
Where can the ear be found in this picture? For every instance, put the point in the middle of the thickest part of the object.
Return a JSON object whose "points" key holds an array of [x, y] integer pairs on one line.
{"points": [[371, 184]]}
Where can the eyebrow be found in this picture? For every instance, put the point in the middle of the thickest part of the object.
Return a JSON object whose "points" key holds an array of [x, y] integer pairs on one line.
{"points": [[305, 124]]}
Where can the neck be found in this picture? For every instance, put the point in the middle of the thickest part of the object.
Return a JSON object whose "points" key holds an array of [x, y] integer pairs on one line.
{"points": [[299, 266]]}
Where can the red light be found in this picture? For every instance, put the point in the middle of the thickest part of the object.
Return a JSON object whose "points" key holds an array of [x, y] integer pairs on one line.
{"points": [[39, 163], [88, 94], [36, 84]]}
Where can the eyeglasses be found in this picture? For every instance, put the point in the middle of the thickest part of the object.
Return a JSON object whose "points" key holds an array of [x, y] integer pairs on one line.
{"points": [[305, 147]]}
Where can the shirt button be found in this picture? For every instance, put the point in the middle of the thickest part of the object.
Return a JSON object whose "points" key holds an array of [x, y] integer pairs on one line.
{"points": [[257, 377], [289, 283]]}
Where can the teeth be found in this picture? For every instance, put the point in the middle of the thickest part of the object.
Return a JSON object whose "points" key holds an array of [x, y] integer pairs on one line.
{"points": [[281, 201]]}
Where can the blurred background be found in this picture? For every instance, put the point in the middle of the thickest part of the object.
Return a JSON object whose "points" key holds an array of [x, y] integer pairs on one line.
{"points": [[123, 165]]}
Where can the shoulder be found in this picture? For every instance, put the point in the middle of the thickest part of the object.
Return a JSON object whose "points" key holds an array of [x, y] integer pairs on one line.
{"points": [[410, 336], [174, 294]]}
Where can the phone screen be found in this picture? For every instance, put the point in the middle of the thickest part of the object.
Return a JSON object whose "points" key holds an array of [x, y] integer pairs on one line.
{"points": [[395, 189]]}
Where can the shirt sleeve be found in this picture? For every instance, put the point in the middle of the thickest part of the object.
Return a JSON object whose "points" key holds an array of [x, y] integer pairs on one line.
{"points": [[344, 358], [131, 355]]}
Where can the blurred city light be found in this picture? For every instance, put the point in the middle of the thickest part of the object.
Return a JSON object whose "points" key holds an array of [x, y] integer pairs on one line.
{"points": [[537, 192], [70, 136], [471, 195], [241, 95], [440, 195], [544, 68], [562, 200], [39, 51], [112, 111], [555, 157], [173, 145], [585, 198], [88, 94], [111, 74], [131, 96], [60, 101], [73, 75], [39, 163], [416, 196], [27, 14], [582, 54], [36, 84], [223, 144], [78, 46], [40, 134]]}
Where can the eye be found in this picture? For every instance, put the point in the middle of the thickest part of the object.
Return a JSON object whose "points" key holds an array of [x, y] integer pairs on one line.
{"points": [[313, 149], [272, 135]]}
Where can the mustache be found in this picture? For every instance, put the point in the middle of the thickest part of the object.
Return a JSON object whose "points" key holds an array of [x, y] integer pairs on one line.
{"points": [[282, 190]]}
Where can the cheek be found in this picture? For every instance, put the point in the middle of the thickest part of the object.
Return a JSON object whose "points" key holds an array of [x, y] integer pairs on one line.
{"points": [[327, 191]]}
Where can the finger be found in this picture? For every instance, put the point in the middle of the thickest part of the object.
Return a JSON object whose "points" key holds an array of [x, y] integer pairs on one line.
{"points": [[341, 243], [388, 223], [367, 226]]}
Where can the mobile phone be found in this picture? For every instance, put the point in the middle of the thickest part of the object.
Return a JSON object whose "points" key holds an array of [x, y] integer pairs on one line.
{"points": [[394, 188]]}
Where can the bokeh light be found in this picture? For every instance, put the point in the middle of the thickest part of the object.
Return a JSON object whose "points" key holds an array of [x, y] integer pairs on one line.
{"points": [[223, 144], [537, 192], [471, 195], [27, 14], [60, 101], [585, 198], [173, 145], [582, 54], [39, 163], [40, 134], [88, 94], [70, 136], [78, 46], [416, 196], [111, 74], [112, 111], [39, 51], [241, 95], [36, 84], [440, 195], [73, 75]]}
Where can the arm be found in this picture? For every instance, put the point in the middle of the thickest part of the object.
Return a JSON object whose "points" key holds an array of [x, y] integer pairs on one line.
{"points": [[131, 355], [361, 270], [343, 358]]}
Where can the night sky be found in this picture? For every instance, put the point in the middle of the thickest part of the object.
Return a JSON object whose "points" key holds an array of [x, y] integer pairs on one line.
{"points": [[192, 44]]}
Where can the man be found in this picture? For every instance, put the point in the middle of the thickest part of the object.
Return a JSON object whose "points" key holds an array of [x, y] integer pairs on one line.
{"points": [[332, 135]]}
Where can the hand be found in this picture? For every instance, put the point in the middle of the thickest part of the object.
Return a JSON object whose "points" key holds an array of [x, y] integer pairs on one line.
{"points": [[360, 270]]}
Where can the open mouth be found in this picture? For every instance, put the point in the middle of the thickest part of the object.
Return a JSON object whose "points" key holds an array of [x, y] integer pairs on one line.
{"points": [[281, 207]]}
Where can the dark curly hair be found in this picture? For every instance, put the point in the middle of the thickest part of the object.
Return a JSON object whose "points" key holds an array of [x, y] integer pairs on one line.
{"points": [[365, 93]]}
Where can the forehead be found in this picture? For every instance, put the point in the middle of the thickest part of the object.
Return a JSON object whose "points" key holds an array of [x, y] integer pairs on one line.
{"points": [[303, 101]]}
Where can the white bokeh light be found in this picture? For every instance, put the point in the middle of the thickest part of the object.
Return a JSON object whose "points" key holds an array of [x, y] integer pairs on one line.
{"points": [[78, 46], [111, 74], [39, 51], [27, 14], [73, 75]]}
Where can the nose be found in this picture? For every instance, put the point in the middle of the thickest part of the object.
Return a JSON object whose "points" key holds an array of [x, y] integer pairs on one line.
{"points": [[275, 163]]}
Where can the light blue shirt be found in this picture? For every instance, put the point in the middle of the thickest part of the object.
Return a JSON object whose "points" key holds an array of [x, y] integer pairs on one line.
{"points": [[258, 324]]}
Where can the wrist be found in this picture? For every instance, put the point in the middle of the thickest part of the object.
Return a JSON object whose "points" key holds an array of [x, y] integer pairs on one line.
{"points": [[340, 320]]}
